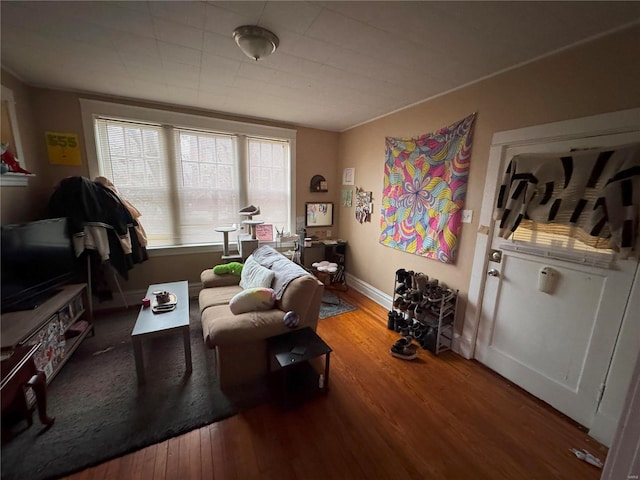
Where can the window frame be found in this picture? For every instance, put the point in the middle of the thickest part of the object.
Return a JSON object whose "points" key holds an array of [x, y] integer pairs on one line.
{"points": [[90, 109]]}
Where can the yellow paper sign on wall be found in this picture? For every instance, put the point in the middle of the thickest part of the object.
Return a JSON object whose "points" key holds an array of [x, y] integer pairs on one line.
{"points": [[63, 148]]}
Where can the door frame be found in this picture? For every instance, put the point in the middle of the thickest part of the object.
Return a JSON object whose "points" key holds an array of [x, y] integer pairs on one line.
{"points": [[596, 125]]}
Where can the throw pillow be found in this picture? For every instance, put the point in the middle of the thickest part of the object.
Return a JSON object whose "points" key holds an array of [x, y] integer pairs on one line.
{"points": [[252, 300], [255, 275]]}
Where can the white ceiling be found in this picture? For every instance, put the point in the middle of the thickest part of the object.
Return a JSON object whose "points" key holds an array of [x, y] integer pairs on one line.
{"points": [[339, 64]]}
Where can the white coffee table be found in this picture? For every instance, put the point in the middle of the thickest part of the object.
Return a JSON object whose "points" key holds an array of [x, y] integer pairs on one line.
{"points": [[151, 324]]}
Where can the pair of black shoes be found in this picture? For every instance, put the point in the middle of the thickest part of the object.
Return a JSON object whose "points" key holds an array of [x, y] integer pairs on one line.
{"points": [[402, 349], [395, 321], [404, 276]]}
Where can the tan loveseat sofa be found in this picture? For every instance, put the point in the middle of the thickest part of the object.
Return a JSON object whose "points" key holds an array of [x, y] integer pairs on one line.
{"points": [[240, 340]]}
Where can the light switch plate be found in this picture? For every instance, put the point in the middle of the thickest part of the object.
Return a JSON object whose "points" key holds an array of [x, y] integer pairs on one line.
{"points": [[467, 216], [328, 233]]}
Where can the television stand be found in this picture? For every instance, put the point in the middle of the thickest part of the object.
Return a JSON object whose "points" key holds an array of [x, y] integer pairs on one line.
{"points": [[57, 325], [32, 303]]}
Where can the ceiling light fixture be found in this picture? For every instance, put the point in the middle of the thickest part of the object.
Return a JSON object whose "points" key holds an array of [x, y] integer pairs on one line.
{"points": [[256, 42]]}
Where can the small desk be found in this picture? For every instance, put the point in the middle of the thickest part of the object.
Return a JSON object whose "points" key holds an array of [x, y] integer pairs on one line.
{"points": [[332, 251], [150, 324], [19, 371], [294, 376]]}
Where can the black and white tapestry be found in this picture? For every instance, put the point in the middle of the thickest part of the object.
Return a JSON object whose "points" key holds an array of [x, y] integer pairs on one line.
{"points": [[597, 191]]}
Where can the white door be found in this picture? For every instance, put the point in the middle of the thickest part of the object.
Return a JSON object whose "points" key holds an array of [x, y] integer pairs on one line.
{"points": [[558, 346]]}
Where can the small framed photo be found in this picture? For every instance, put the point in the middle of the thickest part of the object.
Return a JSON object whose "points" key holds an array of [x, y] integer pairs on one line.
{"points": [[349, 176]]}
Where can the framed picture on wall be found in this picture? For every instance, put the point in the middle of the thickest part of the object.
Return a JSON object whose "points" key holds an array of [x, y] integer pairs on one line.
{"points": [[319, 214], [264, 232]]}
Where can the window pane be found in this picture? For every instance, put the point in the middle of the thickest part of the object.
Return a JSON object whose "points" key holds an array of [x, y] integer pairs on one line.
{"points": [[269, 181], [132, 156], [208, 192]]}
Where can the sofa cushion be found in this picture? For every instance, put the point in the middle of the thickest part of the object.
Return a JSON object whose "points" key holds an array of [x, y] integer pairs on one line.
{"points": [[210, 297], [255, 275], [252, 300]]}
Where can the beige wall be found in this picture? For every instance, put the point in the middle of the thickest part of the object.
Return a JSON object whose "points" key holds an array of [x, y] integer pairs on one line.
{"points": [[601, 76], [314, 157], [18, 204], [41, 110]]}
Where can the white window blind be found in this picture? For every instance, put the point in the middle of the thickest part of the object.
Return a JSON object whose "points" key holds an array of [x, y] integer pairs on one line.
{"points": [[268, 178], [208, 189], [185, 182], [133, 157], [561, 242]]}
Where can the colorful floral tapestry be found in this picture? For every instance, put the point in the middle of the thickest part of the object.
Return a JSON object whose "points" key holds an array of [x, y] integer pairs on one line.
{"points": [[425, 181]]}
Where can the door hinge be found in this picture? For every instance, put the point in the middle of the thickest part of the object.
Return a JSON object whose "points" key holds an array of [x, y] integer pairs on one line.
{"points": [[600, 392]]}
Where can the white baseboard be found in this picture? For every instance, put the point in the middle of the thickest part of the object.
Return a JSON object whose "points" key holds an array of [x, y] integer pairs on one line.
{"points": [[370, 291]]}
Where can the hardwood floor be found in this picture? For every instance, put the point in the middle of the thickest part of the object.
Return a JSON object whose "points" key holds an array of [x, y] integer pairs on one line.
{"points": [[384, 418]]}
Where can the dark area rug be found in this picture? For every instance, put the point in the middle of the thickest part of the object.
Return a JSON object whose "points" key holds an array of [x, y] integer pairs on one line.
{"points": [[101, 413], [333, 305]]}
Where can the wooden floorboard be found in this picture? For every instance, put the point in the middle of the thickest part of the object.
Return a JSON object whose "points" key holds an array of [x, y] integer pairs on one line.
{"points": [[383, 418]]}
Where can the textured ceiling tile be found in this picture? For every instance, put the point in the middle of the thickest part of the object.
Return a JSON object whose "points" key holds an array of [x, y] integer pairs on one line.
{"points": [[306, 47], [136, 44], [185, 13], [110, 15], [224, 21], [177, 34], [251, 10], [181, 75], [223, 46], [179, 54], [294, 16]]}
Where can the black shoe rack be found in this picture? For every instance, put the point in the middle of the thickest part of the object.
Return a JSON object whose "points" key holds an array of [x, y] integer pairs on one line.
{"points": [[423, 309]]}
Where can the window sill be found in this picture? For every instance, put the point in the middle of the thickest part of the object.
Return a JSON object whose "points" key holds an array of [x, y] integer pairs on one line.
{"points": [[11, 179], [202, 248], [168, 251]]}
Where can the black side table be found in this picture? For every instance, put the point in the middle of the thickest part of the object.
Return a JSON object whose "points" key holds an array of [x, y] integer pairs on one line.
{"points": [[292, 376]]}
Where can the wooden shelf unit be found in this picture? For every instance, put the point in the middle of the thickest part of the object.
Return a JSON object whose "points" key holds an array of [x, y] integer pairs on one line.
{"points": [[438, 319], [49, 325]]}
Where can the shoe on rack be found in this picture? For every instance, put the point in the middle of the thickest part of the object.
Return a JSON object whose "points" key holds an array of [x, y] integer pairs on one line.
{"points": [[401, 274], [401, 289], [408, 279], [403, 305], [435, 293], [429, 339], [421, 281], [391, 320], [415, 296], [418, 331]]}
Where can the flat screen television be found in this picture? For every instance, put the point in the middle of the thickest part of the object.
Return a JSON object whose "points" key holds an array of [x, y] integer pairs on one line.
{"points": [[37, 259]]}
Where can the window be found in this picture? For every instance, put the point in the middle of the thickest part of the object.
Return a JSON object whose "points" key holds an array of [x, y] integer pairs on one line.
{"points": [[189, 176], [560, 242], [268, 174]]}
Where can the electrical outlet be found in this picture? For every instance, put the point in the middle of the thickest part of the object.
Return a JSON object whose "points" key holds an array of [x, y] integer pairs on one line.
{"points": [[467, 216], [328, 233]]}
